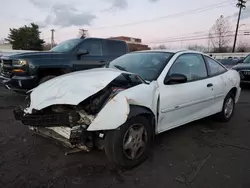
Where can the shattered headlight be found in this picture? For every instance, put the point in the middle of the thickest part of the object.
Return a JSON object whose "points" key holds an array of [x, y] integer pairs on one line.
{"points": [[115, 91], [27, 101]]}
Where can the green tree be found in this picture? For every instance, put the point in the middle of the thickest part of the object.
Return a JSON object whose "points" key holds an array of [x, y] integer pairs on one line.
{"points": [[26, 38]]}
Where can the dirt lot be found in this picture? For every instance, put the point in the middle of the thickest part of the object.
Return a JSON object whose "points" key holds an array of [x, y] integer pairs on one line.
{"points": [[202, 154]]}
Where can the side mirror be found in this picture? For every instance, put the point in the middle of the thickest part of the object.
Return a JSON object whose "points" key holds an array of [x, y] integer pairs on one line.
{"points": [[82, 52], [175, 79]]}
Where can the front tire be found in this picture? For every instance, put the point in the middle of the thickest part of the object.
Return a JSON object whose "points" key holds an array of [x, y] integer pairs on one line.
{"points": [[228, 108], [129, 145]]}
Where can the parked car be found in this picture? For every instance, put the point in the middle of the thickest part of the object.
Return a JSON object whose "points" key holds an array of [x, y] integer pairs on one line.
{"points": [[120, 108], [243, 67], [229, 63], [22, 72]]}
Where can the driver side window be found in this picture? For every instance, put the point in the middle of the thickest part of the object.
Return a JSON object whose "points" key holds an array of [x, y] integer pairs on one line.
{"points": [[190, 65], [93, 47]]}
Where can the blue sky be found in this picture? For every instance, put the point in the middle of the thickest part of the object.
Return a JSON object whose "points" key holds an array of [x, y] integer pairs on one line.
{"points": [[105, 18]]}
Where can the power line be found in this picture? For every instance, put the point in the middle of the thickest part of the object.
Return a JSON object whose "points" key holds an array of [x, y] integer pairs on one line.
{"points": [[191, 36], [189, 12], [190, 39], [205, 32]]}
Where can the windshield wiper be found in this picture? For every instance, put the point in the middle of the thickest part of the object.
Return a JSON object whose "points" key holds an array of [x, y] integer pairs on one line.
{"points": [[120, 67]]}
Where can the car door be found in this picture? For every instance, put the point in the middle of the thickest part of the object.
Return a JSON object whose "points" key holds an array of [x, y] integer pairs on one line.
{"points": [[185, 102], [95, 57], [219, 80]]}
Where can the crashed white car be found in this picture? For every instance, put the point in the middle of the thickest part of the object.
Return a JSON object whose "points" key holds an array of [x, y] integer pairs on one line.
{"points": [[121, 107]]}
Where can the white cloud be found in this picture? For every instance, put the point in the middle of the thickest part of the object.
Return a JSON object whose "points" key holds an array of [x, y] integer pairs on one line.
{"points": [[121, 4], [62, 15], [66, 14]]}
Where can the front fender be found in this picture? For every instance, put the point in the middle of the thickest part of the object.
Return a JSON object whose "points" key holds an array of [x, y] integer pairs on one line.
{"points": [[114, 114], [122, 106]]}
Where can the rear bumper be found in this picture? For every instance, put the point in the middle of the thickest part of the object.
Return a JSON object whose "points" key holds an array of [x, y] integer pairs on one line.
{"points": [[19, 83]]}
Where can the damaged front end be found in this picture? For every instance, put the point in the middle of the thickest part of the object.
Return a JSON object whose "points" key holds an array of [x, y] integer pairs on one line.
{"points": [[69, 123]]}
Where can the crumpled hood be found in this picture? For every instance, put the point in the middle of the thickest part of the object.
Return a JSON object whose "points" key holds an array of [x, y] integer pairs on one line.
{"points": [[71, 88]]}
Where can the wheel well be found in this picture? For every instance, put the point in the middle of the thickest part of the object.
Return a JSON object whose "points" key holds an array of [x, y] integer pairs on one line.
{"points": [[51, 71], [234, 91], [143, 111]]}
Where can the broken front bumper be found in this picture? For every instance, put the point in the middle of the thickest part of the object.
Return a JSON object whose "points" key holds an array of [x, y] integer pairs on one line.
{"points": [[57, 126], [42, 120]]}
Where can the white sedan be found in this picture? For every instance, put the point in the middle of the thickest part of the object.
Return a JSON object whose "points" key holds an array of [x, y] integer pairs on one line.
{"points": [[121, 107]]}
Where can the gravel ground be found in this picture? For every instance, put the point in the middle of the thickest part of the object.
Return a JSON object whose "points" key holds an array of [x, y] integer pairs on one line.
{"points": [[203, 154]]}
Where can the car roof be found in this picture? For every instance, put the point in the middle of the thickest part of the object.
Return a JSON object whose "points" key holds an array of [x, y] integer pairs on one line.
{"points": [[170, 51], [96, 38]]}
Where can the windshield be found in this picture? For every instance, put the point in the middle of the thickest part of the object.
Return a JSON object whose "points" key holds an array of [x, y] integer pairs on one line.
{"points": [[66, 46], [247, 59], [148, 65]]}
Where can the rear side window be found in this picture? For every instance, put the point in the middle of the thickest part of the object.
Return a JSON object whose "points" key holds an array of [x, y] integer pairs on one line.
{"points": [[116, 48], [214, 67]]}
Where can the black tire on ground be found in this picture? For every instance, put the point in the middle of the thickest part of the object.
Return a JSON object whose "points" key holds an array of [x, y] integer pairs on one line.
{"points": [[223, 116], [46, 78], [116, 140]]}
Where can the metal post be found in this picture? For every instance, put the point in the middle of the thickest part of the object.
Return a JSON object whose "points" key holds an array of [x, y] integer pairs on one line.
{"points": [[52, 38], [241, 5]]}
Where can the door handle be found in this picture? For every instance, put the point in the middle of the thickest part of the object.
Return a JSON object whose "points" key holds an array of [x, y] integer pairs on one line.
{"points": [[209, 85], [102, 61]]}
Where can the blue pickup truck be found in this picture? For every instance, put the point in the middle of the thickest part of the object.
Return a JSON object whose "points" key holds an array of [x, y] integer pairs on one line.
{"points": [[24, 71]]}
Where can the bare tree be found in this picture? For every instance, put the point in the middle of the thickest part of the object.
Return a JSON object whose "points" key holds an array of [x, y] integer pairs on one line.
{"points": [[219, 34], [160, 47], [197, 47], [243, 47]]}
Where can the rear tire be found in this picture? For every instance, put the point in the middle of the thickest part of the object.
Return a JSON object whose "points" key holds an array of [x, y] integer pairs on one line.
{"points": [[228, 108], [129, 145], [46, 78]]}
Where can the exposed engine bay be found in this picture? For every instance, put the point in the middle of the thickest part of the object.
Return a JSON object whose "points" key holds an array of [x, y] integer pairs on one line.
{"points": [[69, 123]]}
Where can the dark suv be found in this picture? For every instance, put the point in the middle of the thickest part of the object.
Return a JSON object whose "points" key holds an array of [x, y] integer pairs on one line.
{"points": [[22, 72], [243, 67]]}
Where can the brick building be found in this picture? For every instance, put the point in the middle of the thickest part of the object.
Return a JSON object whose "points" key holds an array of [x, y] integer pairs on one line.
{"points": [[134, 44]]}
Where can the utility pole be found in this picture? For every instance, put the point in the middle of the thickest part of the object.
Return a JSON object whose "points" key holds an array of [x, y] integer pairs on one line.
{"points": [[83, 33], [52, 38], [181, 42], [241, 5]]}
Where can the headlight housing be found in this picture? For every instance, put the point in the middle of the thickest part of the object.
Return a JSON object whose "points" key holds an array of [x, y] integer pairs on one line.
{"points": [[19, 63]]}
